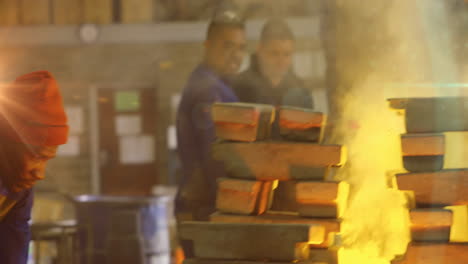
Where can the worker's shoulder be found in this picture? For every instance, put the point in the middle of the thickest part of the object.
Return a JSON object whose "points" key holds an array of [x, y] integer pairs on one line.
{"points": [[202, 80], [15, 203], [247, 80], [246, 86], [292, 80], [248, 75]]}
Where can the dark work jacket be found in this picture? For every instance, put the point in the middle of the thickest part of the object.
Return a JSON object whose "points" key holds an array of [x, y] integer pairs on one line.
{"points": [[252, 87], [196, 133], [15, 234]]}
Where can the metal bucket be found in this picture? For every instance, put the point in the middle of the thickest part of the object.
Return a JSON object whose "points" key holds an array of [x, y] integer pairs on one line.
{"points": [[118, 229]]}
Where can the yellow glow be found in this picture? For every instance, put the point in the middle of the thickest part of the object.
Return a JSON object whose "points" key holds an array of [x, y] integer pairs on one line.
{"points": [[355, 256], [375, 226], [316, 235], [459, 229], [456, 152]]}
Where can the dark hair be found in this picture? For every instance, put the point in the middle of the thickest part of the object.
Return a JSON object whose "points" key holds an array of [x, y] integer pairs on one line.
{"points": [[223, 20], [276, 29]]}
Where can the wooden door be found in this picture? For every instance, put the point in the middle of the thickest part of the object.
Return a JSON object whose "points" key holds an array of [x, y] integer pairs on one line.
{"points": [[127, 141]]}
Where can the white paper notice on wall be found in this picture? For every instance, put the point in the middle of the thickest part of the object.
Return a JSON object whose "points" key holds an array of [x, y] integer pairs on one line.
{"points": [[319, 64], [175, 101], [128, 125], [320, 100], [171, 137], [310, 64], [245, 64], [71, 149], [75, 119], [137, 149], [303, 64]]}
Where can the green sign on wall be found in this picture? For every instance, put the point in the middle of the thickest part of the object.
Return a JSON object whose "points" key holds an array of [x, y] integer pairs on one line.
{"points": [[127, 101]]}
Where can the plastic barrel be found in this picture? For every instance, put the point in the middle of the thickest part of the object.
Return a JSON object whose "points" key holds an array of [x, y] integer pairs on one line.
{"points": [[117, 229]]}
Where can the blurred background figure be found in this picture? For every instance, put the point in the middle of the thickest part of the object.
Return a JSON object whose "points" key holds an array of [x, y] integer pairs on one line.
{"points": [[210, 82], [270, 78]]}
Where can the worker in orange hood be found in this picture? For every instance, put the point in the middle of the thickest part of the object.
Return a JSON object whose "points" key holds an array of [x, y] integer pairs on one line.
{"points": [[33, 124]]}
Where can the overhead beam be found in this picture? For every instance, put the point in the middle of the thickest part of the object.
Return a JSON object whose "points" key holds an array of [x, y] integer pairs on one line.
{"points": [[138, 33]]}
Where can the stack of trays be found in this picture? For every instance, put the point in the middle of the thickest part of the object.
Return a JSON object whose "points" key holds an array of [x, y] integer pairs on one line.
{"points": [[438, 197], [276, 186]]}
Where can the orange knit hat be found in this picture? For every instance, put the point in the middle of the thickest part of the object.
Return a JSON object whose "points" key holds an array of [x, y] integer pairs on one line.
{"points": [[32, 112]]}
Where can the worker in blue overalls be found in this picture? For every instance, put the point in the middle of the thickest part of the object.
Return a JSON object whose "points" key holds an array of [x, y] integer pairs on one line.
{"points": [[210, 82], [32, 125]]}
